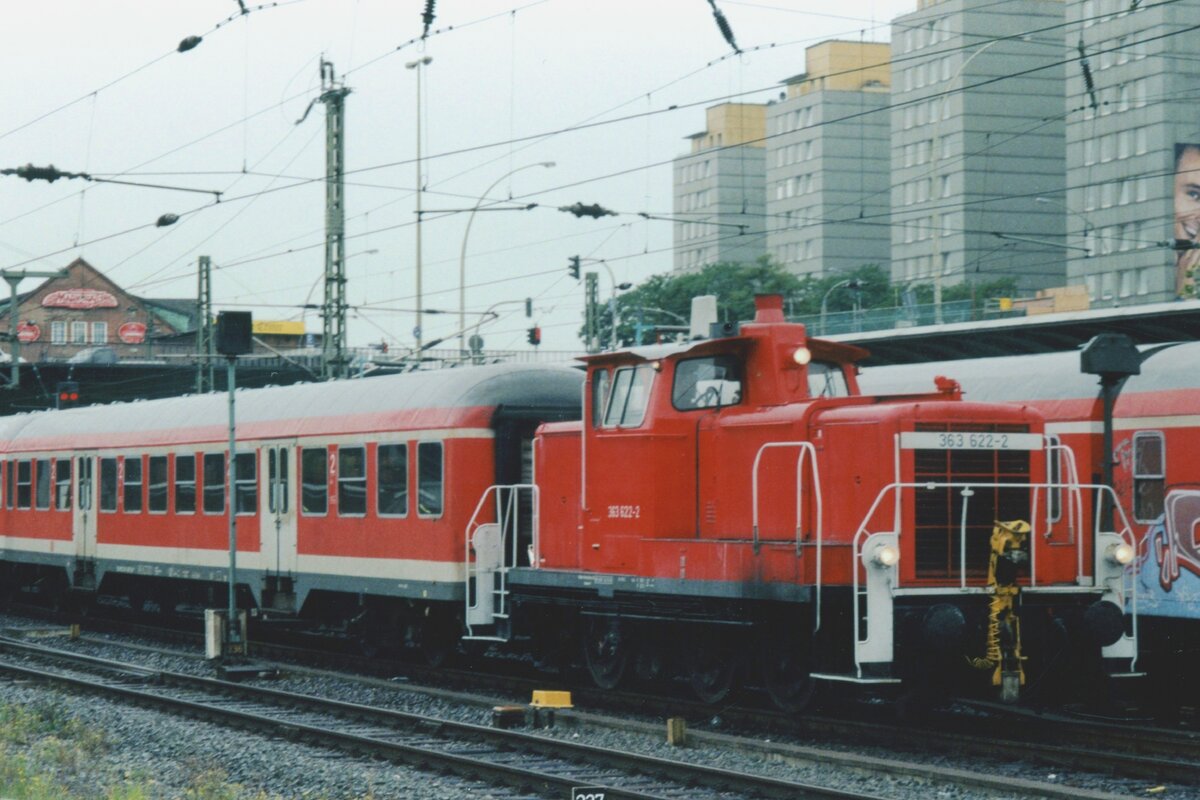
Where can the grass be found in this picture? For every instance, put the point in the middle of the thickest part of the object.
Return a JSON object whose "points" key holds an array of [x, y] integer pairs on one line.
{"points": [[47, 753]]}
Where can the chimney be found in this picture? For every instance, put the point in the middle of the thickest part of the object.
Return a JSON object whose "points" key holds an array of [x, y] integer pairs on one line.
{"points": [[768, 308]]}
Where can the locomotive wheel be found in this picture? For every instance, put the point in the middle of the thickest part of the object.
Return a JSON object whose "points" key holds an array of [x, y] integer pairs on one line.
{"points": [[785, 667], [605, 651], [712, 671]]}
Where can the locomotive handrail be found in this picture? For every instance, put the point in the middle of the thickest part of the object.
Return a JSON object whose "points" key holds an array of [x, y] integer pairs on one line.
{"points": [[1127, 590], [807, 452], [507, 517]]}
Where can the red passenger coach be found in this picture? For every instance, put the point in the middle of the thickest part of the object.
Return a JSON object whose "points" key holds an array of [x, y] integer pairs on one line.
{"points": [[351, 497]]}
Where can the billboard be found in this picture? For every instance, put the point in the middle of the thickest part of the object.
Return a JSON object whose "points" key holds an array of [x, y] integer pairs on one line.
{"points": [[1187, 217]]}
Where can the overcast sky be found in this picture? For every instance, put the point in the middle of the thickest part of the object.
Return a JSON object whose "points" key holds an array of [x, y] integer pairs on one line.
{"points": [[98, 87]]}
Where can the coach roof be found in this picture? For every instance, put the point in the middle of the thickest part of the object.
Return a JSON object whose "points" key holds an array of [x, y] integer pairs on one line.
{"points": [[463, 397]]}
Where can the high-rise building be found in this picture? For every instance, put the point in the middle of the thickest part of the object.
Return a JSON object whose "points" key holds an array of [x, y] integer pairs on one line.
{"points": [[828, 160], [977, 137], [719, 190], [1131, 113]]}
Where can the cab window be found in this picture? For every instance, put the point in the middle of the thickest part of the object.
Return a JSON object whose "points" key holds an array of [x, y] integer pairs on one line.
{"points": [[826, 379], [707, 383], [600, 382], [629, 396]]}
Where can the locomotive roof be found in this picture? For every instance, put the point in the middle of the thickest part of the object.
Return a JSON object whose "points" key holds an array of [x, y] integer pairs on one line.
{"points": [[1048, 376], [431, 398]]}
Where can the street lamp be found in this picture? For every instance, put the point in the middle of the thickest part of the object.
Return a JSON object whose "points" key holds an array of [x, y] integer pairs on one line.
{"points": [[937, 143], [853, 283], [1088, 227], [462, 259], [420, 62]]}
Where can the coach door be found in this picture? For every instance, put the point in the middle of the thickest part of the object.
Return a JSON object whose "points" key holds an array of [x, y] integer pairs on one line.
{"points": [[84, 514], [279, 508]]}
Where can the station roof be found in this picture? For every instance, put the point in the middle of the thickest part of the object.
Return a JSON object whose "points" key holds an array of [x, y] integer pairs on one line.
{"points": [[1044, 333]]}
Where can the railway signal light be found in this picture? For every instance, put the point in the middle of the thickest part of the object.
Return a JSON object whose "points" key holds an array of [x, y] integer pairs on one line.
{"points": [[534, 336], [529, 306], [574, 268], [66, 394]]}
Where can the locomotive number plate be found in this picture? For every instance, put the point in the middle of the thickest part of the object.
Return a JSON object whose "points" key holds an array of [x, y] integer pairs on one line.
{"points": [[969, 440]]}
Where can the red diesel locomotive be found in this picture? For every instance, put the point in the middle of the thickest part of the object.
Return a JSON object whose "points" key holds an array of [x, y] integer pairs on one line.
{"points": [[726, 509]]}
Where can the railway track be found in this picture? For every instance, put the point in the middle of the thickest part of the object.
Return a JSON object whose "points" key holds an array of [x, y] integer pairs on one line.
{"points": [[1066, 745], [530, 765]]}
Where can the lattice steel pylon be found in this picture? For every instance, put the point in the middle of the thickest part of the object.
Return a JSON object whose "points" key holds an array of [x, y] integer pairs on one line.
{"points": [[333, 342], [205, 344]]}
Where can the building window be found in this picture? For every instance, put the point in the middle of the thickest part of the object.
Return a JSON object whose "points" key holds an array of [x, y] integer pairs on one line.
{"points": [[314, 483], [1149, 477], [352, 481], [392, 471], [79, 332], [133, 485], [214, 483], [58, 332], [185, 484]]}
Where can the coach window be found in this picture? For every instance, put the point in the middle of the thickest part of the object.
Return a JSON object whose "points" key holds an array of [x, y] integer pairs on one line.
{"points": [[707, 383], [62, 484], [9, 477], [600, 382], [392, 471], [246, 485], [429, 479], [1149, 475], [132, 490], [158, 485], [826, 379], [108, 484], [42, 495], [629, 396], [214, 483], [24, 483], [185, 484], [352, 481], [277, 480], [314, 481]]}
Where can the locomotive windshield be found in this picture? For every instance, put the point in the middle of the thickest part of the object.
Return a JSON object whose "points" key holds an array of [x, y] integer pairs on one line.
{"points": [[826, 379], [707, 382], [630, 394]]}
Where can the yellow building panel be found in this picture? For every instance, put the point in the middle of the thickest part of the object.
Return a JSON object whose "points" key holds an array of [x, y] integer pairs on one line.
{"points": [[279, 327], [732, 124], [845, 67]]}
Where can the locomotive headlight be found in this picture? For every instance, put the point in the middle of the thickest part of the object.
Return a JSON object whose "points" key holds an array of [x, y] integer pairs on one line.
{"points": [[886, 555], [1119, 553], [802, 356]]}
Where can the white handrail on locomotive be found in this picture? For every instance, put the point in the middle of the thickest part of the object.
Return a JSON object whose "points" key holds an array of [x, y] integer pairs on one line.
{"points": [[1126, 592], [1075, 496], [508, 519], [808, 452]]}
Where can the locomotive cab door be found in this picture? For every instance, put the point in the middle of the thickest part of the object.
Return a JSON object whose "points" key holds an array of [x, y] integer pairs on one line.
{"points": [[83, 514], [514, 465], [278, 514]]}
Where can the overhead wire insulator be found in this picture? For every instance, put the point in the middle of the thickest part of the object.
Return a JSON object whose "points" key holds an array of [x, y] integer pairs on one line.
{"points": [[723, 25], [1088, 82], [428, 16], [189, 43]]}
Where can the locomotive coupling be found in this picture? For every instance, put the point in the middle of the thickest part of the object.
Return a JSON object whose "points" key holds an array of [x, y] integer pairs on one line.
{"points": [[1003, 654]]}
